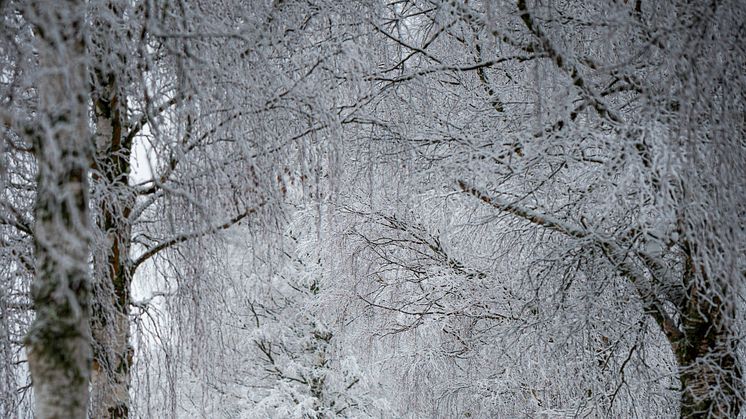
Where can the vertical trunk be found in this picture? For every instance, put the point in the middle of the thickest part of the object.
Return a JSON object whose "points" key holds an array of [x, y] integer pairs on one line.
{"points": [[111, 328], [114, 200], [709, 370], [58, 342]]}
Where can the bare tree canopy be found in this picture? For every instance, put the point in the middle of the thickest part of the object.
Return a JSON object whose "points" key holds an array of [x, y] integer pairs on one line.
{"points": [[410, 208]]}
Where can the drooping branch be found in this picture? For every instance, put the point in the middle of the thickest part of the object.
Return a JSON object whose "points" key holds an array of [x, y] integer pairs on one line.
{"points": [[428, 311], [616, 254], [422, 237], [457, 68], [181, 238]]}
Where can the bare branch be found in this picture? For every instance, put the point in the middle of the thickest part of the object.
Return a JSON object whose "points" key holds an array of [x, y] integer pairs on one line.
{"points": [[189, 236], [147, 116], [615, 253]]}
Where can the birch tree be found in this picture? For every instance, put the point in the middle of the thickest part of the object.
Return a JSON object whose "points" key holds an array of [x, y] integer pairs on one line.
{"points": [[216, 141], [594, 132], [508, 208], [58, 341], [241, 118], [145, 87]]}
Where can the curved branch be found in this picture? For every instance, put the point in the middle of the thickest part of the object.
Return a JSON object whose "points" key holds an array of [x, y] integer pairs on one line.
{"points": [[616, 254], [181, 238]]}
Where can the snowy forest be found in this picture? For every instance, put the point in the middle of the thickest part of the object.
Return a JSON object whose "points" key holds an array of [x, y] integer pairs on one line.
{"points": [[372, 209]]}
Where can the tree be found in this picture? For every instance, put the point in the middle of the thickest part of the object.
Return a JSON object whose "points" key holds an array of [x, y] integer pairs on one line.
{"points": [[201, 165], [516, 208], [58, 341], [224, 135], [604, 165], [303, 373], [147, 90]]}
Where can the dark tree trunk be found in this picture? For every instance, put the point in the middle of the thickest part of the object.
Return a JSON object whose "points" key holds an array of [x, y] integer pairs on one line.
{"points": [[709, 370]]}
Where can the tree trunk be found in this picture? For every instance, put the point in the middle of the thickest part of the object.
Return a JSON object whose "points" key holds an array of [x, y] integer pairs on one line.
{"points": [[111, 327], [58, 341], [709, 370], [115, 200]]}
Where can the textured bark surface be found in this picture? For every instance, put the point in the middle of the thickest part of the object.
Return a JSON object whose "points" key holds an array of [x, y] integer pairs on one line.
{"points": [[114, 202], [112, 352], [710, 373], [58, 342]]}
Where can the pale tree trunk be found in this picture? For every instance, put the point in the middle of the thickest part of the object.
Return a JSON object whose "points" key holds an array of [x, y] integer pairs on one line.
{"points": [[114, 201], [58, 342], [111, 327]]}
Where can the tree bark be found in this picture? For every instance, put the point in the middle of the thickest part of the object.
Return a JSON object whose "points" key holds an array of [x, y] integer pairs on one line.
{"points": [[115, 199], [709, 371], [58, 342], [111, 327]]}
